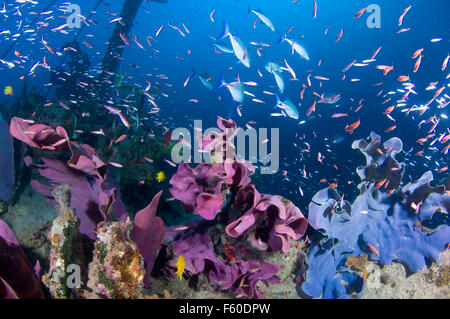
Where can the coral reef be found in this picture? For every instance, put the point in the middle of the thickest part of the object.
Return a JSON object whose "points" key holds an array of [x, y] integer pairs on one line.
{"points": [[124, 252], [381, 223], [239, 275], [239, 243], [122, 258], [268, 222]]}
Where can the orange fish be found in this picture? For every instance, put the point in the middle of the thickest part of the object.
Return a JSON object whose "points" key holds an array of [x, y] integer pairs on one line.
{"points": [[120, 139], [373, 249], [302, 92], [380, 183], [438, 92], [315, 9], [351, 127], [386, 69], [416, 54], [389, 109], [445, 149], [445, 139], [360, 13], [421, 140], [124, 39], [416, 206], [311, 109], [443, 169], [433, 126], [349, 66], [403, 78], [50, 49], [417, 64], [400, 20], [375, 53], [339, 115], [444, 64], [340, 35], [390, 129]]}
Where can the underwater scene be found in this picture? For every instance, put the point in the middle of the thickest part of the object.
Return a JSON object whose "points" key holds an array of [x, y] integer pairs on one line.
{"points": [[224, 149]]}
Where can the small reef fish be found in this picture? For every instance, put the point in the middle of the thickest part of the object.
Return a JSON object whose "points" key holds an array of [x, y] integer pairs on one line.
{"points": [[160, 177], [180, 267], [8, 90]]}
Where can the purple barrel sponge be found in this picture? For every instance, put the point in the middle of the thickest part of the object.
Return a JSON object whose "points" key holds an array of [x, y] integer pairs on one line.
{"points": [[238, 276], [39, 136], [17, 276], [147, 232], [94, 192], [91, 198], [203, 190], [269, 220]]}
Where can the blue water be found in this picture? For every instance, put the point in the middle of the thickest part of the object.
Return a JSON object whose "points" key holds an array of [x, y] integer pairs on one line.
{"points": [[426, 20]]}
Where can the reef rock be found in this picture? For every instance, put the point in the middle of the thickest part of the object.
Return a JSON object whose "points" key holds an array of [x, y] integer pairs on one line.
{"points": [[117, 269], [65, 243]]}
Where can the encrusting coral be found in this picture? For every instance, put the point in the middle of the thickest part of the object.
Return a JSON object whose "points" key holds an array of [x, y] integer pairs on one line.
{"points": [[117, 269]]}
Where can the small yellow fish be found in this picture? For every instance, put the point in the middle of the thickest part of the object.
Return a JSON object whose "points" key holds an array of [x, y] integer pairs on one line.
{"points": [[160, 176], [8, 90], [180, 267]]}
